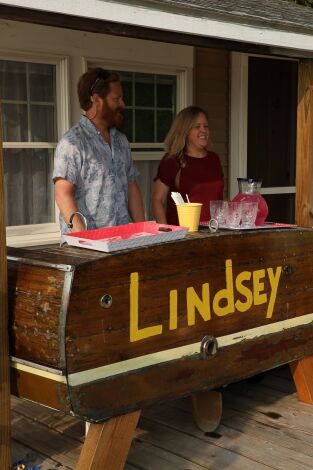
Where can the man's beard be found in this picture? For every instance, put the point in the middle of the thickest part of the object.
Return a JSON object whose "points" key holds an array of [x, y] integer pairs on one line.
{"points": [[114, 118], [119, 117]]}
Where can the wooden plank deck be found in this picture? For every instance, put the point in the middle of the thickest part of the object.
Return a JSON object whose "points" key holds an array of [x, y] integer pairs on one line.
{"points": [[264, 426]]}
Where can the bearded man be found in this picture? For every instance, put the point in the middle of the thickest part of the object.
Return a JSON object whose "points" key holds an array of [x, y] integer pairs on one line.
{"points": [[94, 175]]}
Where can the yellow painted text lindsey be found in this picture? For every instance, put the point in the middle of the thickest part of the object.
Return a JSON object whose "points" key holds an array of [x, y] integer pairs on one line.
{"points": [[221, 304]]}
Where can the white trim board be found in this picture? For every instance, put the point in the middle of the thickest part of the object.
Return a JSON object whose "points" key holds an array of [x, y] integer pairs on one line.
{"points": [[238, 121], [279, 190], [151, 18]]}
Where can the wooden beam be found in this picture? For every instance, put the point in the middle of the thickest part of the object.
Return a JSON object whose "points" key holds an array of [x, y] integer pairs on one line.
{"points": [[207, 407], [302, 370], [304, 160], [5, 452], [107, 444], [302, 373]]}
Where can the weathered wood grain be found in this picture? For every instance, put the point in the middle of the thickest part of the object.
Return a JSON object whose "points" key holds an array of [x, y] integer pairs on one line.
{"points": [[262, 427], [35, 301], [107, 445], [60, 448], [178, 378], [197, 261], [304, 160], [302, 372], [253, 437], [141, 283], [22, 453], [207, 409], [304, 196]]}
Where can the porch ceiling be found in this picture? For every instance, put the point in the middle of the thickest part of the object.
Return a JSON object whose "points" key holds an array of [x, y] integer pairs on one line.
{"points": [[275, 27]]}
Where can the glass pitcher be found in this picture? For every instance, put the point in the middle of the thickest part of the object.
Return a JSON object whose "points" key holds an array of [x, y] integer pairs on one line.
{"points": [[249, 190]]}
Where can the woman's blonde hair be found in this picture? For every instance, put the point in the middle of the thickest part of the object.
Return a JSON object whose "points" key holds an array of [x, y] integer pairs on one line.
{"points": [[175, 140]]}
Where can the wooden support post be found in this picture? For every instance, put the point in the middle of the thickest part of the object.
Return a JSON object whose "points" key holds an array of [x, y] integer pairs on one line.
{"points": [[302, 373], [302, 370], [304, 160], [107, 444], [5, 452], [207, 409]]}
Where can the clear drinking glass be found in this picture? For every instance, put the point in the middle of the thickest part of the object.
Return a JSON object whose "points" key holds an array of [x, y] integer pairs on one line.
{"points": [[248, 213], [233, 214], [218, 211]]}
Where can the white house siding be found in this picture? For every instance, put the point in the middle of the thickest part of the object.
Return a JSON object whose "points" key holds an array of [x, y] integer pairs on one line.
{"points": [[25, 41], [211, 91], [18, 37]]}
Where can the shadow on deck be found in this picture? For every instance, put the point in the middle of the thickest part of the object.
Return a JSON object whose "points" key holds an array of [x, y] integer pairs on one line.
{"points": [[264, 426]]}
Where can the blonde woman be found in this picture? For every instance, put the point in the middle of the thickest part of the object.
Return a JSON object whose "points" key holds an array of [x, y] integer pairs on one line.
{"points": [[188, 167]]}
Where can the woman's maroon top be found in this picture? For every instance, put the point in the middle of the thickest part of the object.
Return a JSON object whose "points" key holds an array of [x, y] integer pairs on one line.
{"points": [[202, 179]]}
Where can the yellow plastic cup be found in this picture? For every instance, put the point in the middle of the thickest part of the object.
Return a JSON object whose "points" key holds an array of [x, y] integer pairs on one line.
{"points": [[189, 215]]}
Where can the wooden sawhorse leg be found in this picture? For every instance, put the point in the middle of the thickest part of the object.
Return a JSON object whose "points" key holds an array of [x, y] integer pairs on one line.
{"points": [[302, 373], [207, 409], [107, 444]]}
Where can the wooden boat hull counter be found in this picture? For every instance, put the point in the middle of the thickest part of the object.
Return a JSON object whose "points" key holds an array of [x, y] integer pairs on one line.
{"points": [[99, 335]]}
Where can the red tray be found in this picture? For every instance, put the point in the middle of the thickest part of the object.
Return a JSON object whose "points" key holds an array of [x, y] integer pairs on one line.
{"points": [[122, 237]]}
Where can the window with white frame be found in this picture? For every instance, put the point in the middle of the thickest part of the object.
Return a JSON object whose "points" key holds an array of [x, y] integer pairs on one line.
{"points": [[152, 96], [150, 106], [28, 96], [35, 113]]}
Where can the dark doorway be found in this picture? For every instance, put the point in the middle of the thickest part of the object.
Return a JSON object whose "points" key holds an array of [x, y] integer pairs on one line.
{"points": [[271, 146]]}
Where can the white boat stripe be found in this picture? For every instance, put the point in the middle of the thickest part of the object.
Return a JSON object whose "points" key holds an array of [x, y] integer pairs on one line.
{"points": [[136, 363], [39, 372]]}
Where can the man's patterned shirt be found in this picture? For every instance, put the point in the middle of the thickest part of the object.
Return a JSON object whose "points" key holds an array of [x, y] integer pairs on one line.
{"points": [[99, 172]]}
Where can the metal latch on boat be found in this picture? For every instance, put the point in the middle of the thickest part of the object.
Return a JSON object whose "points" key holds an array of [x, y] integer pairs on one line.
{"points": [[208, 347], [106, 301]]}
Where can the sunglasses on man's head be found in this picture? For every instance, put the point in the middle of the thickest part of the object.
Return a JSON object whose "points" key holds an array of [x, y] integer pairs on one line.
{"points": [[102, 75]]}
